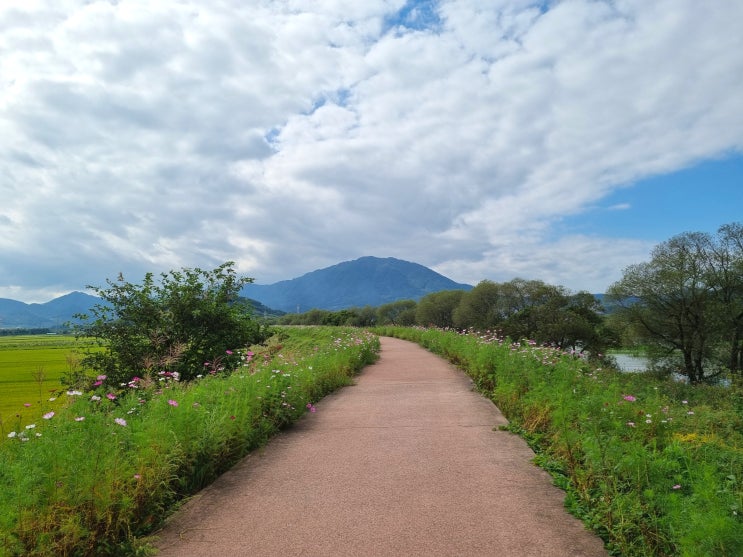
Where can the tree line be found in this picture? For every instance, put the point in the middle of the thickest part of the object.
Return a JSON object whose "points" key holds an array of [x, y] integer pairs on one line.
{"points": [[684, 307], [518, 309]]}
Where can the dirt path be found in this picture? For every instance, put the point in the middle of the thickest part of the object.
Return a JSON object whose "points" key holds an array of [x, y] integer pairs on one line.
{"points": [[404, 463]]}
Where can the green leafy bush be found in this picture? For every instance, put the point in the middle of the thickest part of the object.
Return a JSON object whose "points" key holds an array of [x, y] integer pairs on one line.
{"points": [[188, 318]]}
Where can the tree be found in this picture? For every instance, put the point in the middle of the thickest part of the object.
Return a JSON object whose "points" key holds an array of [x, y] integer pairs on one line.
{"points": [[726, 280], [397, 313], [437, 309], [668, 301], [479, 307], [177, 324]]}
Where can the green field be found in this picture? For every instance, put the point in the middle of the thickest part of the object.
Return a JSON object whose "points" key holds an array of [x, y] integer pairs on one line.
{"points": [[31, 367]]}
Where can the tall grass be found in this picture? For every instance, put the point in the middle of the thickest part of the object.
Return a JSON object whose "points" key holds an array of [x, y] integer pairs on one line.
{"points": [[654, 467], [96, 476]]}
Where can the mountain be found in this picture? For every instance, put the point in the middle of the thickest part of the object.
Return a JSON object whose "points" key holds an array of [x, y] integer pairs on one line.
{"points": [[52, 314], [365, 281]]}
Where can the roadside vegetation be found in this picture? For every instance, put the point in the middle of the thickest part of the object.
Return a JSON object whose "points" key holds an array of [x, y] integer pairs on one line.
{"points": [[654, 466], [176, 380], [124, 442]]}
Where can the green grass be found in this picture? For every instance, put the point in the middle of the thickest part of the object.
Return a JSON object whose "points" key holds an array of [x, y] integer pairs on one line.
{"points": [[31, 368], [102, 472]]}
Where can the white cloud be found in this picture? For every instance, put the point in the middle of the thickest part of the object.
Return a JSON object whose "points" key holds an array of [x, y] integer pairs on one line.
{"points": [[293, 135]]}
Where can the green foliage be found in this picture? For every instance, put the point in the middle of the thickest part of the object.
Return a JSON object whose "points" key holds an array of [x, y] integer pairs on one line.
{"points": [[686, 303], [535, 310], [654, 467], [105, 468], [177, 324], [437, 309], [397, 313]]}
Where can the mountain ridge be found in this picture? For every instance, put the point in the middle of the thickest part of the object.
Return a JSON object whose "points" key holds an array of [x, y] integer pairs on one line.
{"points": [[366, 281]]}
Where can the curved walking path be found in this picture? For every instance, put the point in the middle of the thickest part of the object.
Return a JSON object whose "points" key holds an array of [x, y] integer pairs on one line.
{"points": [[405, 463]]}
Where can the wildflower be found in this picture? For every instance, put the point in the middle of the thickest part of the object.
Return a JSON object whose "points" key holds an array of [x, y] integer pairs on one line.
{"points": [[52, 399], [95, 398], [48, 415], [677, 486], [111, 396], [629, 398], [101, 378], [173, 402], [232, 417], [74, 393], [228, 352], [137, 477], [120, 421], [30, 426], [12, 434], [26, 404], [80, 418], [684, 402], [690, 412], [630, 424]]}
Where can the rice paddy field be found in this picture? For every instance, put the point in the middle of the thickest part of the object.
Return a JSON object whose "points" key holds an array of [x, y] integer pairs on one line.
{"points": [[31, 368]]}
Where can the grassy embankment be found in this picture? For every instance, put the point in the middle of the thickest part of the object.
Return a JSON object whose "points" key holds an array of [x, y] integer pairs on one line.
{"points": [[654, 467], [99, 472]]}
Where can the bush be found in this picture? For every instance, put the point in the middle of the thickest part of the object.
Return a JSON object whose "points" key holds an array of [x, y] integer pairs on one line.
{"points": [[189, 318]]}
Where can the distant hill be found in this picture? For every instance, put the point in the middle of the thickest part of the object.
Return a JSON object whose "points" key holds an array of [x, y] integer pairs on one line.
{"points": [[366, 281], [60, 311], [53, 314]]}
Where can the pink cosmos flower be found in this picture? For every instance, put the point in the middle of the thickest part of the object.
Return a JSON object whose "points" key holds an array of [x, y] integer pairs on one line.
{"points": [[48, 415], [629, 398], [173, 402], [120, 421], [111, 396], [677, 486]]}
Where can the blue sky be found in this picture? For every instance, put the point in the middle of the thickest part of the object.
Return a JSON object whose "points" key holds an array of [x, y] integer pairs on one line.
{"points": [[556, 140], [696, 199]]}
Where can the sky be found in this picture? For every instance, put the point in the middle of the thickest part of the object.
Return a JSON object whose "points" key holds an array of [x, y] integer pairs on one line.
{"points": [[551, 140]]}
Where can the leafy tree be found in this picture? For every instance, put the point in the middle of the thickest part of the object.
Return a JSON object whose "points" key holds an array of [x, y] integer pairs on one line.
{"points": [[176, 324], [725, 261], [401, 312], [437, 309], [479, 308], [670, 303]]}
